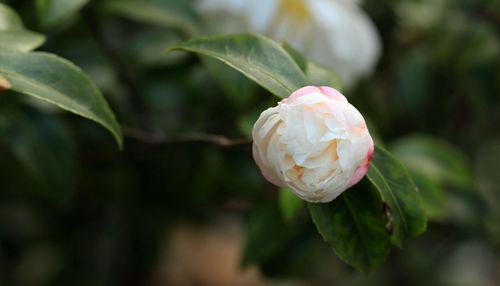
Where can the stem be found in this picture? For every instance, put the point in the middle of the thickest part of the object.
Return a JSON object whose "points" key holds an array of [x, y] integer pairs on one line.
{"points": [[192, 137]]}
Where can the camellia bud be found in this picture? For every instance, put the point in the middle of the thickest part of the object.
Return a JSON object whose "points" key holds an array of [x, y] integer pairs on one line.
{"points": [[314, 142]]}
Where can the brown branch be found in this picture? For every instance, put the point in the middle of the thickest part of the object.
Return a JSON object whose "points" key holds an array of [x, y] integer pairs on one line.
{"points": [[191, 137]]}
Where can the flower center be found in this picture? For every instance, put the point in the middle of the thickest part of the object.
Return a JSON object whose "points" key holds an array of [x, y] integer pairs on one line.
{"points": [[296, 9]]}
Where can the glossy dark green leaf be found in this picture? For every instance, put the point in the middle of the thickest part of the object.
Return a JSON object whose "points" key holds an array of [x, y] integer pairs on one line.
{"points": [[316, 74], [20, 40], [53, 12], [57, 81], [257, 57], [290, 205], [352, 225], [434, 158], [43, 146], [171, 13], [399, 192]]}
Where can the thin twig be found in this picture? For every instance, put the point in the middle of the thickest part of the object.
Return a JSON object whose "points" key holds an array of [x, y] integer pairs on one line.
{"points": [[191, 137]]}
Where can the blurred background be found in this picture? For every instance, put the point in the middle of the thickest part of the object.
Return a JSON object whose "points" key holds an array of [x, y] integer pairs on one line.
{"points": [[184, 203]]}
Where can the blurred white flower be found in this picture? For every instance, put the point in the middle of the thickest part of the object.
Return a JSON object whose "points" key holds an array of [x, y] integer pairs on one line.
{"points": [[335, 33], [314, 142]]}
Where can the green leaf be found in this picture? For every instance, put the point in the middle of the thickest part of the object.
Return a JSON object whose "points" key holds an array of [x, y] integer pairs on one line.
{"points": [[238, 88], [20, 40], [13, 36], [316, 74], [257, 57], [58, 81], [171, 13], [320, 75], [353, 226], [290, 205], [296, 55], [53, 12], [9, 19], [43, 146], [434, 158], [397, 189]]}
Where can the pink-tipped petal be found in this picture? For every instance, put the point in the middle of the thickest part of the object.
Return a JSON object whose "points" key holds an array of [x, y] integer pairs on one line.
{"points": [[358, 175], [300, 92], [333, 93], [363, 169], [369, 155]]}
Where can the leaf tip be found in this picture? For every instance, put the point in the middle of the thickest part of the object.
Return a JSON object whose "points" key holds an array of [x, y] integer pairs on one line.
{"points": [[172, 48], [119, 141], [118, 136]]}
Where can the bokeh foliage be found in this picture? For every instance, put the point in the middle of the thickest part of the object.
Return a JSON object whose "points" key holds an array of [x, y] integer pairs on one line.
{"points": [[71, 202]]}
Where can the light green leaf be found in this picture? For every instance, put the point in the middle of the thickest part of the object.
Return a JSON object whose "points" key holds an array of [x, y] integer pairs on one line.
{"points": [[43, 146], [9, 19], [434, 158], [53, 12], [353, 226], [13, 36], [257, 57], [316, 74], [398, 191], [20, 40], [58, 81], [290, 205], [171, 13]]}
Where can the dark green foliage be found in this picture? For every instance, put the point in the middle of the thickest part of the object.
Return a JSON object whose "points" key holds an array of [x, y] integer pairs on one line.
{"points": [[75, 210], [257, 57], [399, 192], [352, 225]]}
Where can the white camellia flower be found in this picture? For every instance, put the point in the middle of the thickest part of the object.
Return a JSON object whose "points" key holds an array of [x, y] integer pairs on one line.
{"points": [[314, 142], [335, 33]]}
